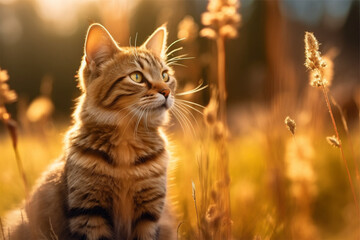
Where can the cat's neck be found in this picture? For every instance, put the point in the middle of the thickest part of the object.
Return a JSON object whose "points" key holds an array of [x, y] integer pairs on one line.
{"points": [[125, 132], [121, 138], [123, 147]]}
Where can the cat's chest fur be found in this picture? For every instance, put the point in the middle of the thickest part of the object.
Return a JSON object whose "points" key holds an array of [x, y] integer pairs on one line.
{"points": [[130, 185], [123, 207], [135, 164]]}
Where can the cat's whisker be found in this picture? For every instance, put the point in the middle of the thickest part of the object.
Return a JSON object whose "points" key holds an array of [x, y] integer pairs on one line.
{"points": [[174, 112], [122, 118], [133, 115], [186, 119], [132, 49], [188, 112], [175, 50], [137, 55], [197, 89], [177, 64], [143, 110], [189, 106], [179, 58], [137, 120], [189, 102], [174, 42], [185, 109]]}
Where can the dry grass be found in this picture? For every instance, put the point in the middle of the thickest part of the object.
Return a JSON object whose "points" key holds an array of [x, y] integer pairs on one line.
{"points": [[253, 210]]}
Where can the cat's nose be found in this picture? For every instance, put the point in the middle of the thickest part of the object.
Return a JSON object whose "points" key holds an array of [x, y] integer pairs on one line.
{"points": [[165, 92]]}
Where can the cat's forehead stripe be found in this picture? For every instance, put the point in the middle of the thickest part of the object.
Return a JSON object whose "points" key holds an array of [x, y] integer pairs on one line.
{"points": [[150, 60], [141, 64]]}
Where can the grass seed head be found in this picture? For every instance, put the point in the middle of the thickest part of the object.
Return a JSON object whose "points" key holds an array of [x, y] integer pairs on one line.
{"points": [[187, 29], [212, 214], [329, 70], [6, 95], [220, 131], [222, 19], [291, 125], [314, 62], [210, 112], [334, 141]]}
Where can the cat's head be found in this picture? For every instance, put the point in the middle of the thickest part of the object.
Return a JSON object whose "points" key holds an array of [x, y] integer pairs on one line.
{"points": [[125, 83]]}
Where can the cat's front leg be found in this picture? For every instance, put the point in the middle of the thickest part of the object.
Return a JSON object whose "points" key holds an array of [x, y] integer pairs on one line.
{"points": [[89, 206], [149, 204], [89, 223], [147, 230]]}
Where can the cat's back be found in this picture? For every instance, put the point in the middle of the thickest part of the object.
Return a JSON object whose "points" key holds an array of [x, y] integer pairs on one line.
{"points": [[44, 212], [46, 206]]}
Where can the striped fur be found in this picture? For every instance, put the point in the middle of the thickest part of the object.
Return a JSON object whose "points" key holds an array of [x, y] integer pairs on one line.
{"points": [[110, 182]]}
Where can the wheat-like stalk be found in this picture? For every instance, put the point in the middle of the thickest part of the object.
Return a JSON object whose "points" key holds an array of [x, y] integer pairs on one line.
{"points": [[2, 229], [9, 96], [221, 21], [317, 66], [350, 142]]}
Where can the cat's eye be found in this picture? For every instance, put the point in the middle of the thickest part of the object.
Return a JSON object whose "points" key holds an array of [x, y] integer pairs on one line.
{"points": [[165, 76], [136, 77]]}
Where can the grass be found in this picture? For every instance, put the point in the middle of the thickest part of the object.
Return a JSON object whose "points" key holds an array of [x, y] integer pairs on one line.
{"points": [[37, 152], [253, 208]]}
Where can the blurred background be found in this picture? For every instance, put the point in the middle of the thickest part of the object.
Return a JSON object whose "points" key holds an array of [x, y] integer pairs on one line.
{"points": [[41, 46], [44, 39]]}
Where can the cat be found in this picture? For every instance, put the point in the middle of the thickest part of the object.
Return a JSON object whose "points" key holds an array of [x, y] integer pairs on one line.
{"points": [[110, 182]]}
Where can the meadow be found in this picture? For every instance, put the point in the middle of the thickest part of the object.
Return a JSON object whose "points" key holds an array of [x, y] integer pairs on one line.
{"points": [[257, 197], [281, 166]]}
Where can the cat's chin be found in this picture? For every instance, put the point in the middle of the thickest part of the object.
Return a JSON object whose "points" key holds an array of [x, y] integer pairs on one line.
{"points": [[161, 108], [165, 106]]}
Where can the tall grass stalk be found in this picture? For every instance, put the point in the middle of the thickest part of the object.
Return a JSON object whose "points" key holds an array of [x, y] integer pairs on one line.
{"points": [[2, 229], [343, 120], [223, 152], [221, 22], [12, 128], [196, 209], [324, 90], [319, 67], [10, 96]]}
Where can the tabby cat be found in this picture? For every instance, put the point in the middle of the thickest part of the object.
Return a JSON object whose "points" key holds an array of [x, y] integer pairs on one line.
{"points": [[110, 182]]}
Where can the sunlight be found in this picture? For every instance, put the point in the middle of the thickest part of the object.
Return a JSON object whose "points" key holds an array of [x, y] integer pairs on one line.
{"points": [[61, 15], [5, 2]]}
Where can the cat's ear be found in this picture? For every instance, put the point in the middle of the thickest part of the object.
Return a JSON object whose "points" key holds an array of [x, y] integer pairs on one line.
{"points": [[99, 45], [157, 41]]}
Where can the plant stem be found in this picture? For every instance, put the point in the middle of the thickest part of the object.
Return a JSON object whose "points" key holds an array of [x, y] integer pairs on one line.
{"points": [[341, 149], [21, 171], [223, 156], [196, 210], [2, 229], [348, 136], [12, 128], [222, 79]]}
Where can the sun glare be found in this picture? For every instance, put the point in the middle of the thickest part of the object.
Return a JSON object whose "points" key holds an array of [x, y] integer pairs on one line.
{"points": [[61, 15]]}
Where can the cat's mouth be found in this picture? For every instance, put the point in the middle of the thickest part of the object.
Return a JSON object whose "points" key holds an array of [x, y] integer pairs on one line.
{"points": [[162, 105], [165, 106]]}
